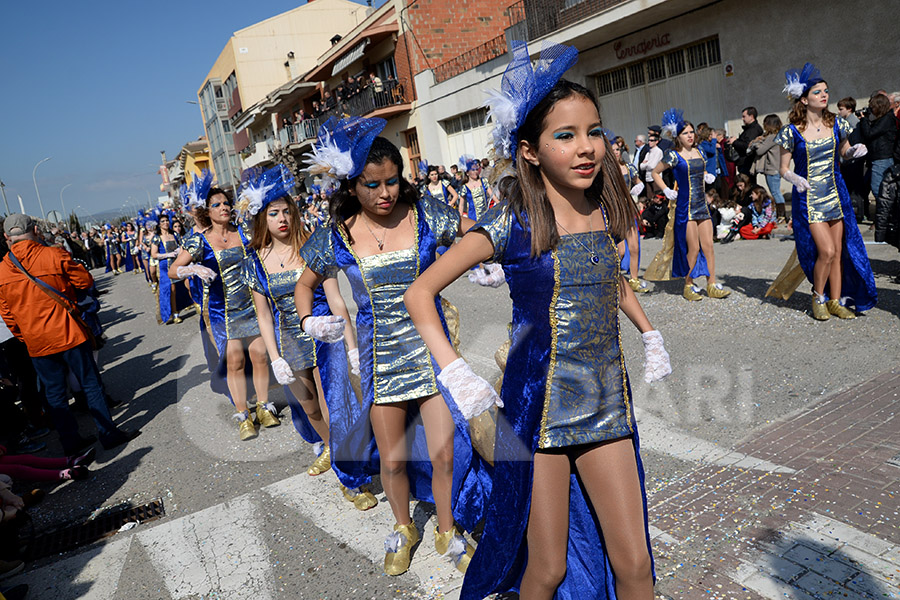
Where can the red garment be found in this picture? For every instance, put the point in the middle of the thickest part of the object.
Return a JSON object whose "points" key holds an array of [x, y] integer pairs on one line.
{"points": [[748, 234], [31, 315], [33, 468]]}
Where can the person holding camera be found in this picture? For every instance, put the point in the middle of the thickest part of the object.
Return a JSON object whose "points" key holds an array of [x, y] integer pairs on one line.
{"points": [[37, 302], [741, 144]]}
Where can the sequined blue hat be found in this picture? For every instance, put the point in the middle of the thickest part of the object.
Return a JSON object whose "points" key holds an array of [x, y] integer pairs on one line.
{"points": [[798, 81], [673, 121], [342, 147], [467, 162], [610, 135], [522, 88], [259, 188], [194, 195]]}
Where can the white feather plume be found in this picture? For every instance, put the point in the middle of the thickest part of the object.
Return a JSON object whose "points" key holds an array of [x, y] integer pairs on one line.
{"points": [[327, 158], [252, 197], [502, 111], [793, 88], [671, 129]]}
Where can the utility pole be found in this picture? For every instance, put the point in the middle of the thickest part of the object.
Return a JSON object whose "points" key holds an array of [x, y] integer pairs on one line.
{"points": [[3, 192]]}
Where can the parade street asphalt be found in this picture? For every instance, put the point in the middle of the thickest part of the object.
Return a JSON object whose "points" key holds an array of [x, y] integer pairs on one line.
{"points": [[243, 520]]}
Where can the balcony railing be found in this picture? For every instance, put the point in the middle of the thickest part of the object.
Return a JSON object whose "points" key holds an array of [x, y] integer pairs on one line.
{"points": [[547, 16], [307, 129], [392, 93], [478, 55]]}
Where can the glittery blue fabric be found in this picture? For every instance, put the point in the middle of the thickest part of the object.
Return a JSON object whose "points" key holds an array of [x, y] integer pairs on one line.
{"points": [[354, 450], [690, 206], [477, 202], [197, 191], [502, 553], [195, 284], [165, 287], [808, 76], [273, 183], [673, 120], [819, 163], [354, 135], [630, 180]]}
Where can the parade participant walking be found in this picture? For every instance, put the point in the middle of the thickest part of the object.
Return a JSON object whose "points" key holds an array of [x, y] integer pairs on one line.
{"points": [[475, 194], [440, 190], [630, 247], [315, 374], [829, 246], [127, 241], [382, 235], [692, 253], [37, 303], [164, 248], [216, 256], [113, 250], [193, 196], [569, 517]]}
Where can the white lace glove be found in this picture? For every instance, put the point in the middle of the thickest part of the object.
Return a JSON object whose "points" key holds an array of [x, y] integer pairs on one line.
{"points": [[490, 276], [327, 329], [167, 255], [709, 178], [670, 194], [204, 273], [353, 357], [798, 182], [472, 394], [856, 151], [656, 359], [637, 188], [284, 375]]}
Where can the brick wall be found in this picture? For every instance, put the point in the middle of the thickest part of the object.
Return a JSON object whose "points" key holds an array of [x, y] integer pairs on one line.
{"points": [[403, 56], [444, 30]]}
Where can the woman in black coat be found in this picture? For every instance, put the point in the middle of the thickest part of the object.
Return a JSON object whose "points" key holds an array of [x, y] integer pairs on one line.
{"points": [[878, 129]]}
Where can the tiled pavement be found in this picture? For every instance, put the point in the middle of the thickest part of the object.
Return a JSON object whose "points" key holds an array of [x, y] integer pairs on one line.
{"points": [[831, 529]]}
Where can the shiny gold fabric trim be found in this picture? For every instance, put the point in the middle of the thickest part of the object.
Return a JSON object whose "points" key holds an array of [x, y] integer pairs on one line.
{"points": [[660, 269], [554, 339]]}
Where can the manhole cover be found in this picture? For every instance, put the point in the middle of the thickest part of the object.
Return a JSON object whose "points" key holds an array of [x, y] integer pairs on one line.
{"points": [[894, 462], [71, 536]]}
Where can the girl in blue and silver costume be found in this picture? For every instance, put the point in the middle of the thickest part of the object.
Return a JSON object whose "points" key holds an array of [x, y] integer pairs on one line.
{"points": [[382, 235], [630, 247], [829, 246], [476, 193], [164, 247], [567, 513], [216, 255]]}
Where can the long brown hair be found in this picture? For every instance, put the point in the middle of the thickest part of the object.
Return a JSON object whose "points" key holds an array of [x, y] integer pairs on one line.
{"points": [[879, 104], [262, 237], [771, 125], [797, 116], [527, 195], [676, 141]]}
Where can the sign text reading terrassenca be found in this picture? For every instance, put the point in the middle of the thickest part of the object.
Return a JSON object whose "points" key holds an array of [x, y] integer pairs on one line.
{"points": [[643, 47]]}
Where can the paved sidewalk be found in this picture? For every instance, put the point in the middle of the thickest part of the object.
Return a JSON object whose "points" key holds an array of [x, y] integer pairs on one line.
{"points": [[830, 529]]}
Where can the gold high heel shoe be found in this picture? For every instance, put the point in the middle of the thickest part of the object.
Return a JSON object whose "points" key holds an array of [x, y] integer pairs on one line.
{"points": [[819, 309], [265, 415], [455, 546], [690, 294], [714, 291], [397, 548], [364, 500], [839, 310], [638, 286], [321, 464], [245, 426]]}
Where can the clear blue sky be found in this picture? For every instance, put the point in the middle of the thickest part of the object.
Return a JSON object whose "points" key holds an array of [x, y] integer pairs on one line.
{"points": [[102, 87]]}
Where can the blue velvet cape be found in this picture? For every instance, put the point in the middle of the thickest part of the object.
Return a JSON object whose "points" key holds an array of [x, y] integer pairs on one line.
{"points": [[165, 287], [682, 216]]}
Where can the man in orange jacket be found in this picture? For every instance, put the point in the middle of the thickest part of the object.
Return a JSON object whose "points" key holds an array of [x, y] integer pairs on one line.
{"points": [[56, 341]]}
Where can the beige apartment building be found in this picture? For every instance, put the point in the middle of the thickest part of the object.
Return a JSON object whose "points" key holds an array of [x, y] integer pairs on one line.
{"points": [[260, 58]]}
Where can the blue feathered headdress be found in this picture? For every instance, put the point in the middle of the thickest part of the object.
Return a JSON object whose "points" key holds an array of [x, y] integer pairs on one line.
{"points": [[523, 86], [467, 162], [610, 135], [423, 166], [673, 121], [342, 147], [259, 189], [194, 195], [799, 81]]}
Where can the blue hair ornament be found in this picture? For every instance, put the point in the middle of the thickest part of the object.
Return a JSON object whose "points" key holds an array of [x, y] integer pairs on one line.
{"points": [[673, 121], [467, 162], [342, 147], [522, 88], [798, 81], [261, 188], [194, 195]]}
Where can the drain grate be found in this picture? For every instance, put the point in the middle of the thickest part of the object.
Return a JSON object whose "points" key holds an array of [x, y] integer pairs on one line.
{"points": [[894, 462], [71, 536]]}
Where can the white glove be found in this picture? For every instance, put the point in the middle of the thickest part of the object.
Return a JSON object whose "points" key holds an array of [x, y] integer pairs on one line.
{"points": [[353, 357], [284, 375], [656, 359], [856, 151], [472, 394], [670, 194], [327, 329], [490, 276], [167, 255], [204, 273], [637, 188], [798, 182], [709, 178]]}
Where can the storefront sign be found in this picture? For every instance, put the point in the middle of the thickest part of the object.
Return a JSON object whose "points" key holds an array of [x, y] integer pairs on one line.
{"points": [[640, 49]]}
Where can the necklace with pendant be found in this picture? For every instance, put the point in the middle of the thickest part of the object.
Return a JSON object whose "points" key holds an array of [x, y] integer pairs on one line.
{"points": [[594, 258], [377, 241], [280, 257]]}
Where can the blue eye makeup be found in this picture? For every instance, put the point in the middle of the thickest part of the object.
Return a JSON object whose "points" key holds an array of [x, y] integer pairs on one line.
{"points": [[562, 135], [596, 131], [393, 181], [371, 186]]}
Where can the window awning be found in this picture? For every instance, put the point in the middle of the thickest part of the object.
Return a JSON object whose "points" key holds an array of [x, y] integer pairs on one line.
{"points": [[351, 56]]}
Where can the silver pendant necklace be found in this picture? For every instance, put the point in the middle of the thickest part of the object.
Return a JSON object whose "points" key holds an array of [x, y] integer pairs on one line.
{"points": [[594, 258], [377, 241]]}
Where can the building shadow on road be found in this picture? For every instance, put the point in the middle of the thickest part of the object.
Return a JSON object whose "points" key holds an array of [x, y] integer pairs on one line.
{"points": [[811, 568]]}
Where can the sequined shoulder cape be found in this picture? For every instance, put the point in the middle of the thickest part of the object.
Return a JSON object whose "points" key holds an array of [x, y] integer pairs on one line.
{"points": [[354, 451], [500, 559]]}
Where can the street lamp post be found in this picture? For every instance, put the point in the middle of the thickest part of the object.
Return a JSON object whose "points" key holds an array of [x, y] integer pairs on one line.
{"points": [[3, 192], [36, 190], [63, 204]]}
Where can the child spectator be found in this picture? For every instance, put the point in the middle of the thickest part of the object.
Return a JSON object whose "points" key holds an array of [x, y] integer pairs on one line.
{"points": [[655, 216], [762, 215]]}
